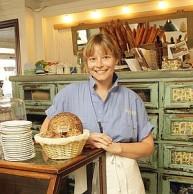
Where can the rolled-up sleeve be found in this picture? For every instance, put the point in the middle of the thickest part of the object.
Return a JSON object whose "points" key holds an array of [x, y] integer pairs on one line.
{"points": [[144, 127]]}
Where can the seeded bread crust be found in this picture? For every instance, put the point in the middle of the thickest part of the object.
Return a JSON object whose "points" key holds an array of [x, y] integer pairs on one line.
{"points": [[64, 124]]}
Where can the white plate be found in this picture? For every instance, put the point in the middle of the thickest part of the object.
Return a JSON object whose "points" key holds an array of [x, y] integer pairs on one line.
{"points": [[14, 132], [32, 154], [16, 141], [20, 158], [16, 123], [15, 129], [12, 137], [16, 147], [21, 148], [16, 138], [20, 126], [16, 144], [29, 133], [18, 150], [14, 153]]}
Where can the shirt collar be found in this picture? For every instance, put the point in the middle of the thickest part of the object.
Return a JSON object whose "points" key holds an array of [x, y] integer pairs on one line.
{"points": [[115, 85]]}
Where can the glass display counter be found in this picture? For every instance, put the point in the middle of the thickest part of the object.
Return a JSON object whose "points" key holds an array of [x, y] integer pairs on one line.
{"points": [[41, 175]]}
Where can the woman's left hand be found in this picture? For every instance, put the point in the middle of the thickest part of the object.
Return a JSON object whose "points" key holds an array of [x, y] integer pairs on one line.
{"points": [[114, 148], [98, 140]]}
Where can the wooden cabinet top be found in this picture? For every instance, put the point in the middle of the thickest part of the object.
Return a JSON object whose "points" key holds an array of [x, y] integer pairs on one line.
{"points": [[125, 75]]}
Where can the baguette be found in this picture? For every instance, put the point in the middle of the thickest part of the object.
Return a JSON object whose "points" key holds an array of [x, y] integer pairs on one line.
{"points": [[120, 36], [124, 34], [137, 36], [144, 35], [140, 37], [148, 35], [156, 34], [109, 31], [130, 37], [152, 35]]}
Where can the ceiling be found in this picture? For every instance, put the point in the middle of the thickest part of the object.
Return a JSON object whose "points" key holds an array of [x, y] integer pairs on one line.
{"points": [[37, 5], [40, 4]]}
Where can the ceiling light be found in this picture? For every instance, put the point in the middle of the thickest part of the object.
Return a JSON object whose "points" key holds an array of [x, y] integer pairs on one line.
{"points": [[162, 4], [68, 19], [126, 10], [95, 14]]}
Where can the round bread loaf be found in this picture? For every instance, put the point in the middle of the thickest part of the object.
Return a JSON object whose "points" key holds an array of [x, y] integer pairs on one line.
{"points": [[64, 124]]}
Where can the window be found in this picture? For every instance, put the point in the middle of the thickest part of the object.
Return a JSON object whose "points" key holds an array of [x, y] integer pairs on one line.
{"points": [[9, 54]]}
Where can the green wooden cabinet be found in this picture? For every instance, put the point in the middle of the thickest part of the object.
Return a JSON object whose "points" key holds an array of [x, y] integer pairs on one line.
{"points": [[178, 157], [168, 97], [176, 184], [178, 94], [147, 91], [37, 96], [150, 180], [178, 127]]}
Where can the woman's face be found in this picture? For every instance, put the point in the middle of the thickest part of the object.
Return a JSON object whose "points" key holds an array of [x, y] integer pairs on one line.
{"points": [[101, 65]]}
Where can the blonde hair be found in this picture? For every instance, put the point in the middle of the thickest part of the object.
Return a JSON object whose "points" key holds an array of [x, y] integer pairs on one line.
{"points": [[105, 41]]}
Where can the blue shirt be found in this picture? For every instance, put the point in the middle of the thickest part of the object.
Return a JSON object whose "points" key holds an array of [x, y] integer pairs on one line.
{"points": [[122, 115]]}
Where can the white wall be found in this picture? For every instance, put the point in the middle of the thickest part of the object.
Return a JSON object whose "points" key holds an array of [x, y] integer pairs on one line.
{"points": [[29, 55], [15, 9]]}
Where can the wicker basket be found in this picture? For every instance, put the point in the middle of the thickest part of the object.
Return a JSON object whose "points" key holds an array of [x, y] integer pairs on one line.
{"points": [[63, 148]]}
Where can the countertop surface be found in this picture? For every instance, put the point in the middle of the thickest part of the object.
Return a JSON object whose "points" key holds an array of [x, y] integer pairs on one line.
{"points": [[41, 163]]}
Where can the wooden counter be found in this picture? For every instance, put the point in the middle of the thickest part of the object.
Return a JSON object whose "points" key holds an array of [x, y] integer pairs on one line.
{"points": [[41, 175]]}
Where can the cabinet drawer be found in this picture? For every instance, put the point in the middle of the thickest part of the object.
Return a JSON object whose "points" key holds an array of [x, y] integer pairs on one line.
{"points": [[153, 118], [147, 91], [37, 94], [178, 95], [150, 182], [178, 157], [150, 162], [178, 127], [176, 184], [36, 110]]}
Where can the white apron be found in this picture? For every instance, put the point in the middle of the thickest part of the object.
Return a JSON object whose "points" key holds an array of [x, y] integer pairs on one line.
{"points": [[123, 176]]}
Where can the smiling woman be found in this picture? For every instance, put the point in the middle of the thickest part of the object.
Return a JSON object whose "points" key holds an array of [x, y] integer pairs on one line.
{"points": [[115, 116]]}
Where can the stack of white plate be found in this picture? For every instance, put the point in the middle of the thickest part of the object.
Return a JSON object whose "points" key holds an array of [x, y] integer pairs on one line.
{"points": [[16, 139]]}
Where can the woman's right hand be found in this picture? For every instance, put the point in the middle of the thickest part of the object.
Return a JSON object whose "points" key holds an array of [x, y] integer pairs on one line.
{"points": [[98, 140], [44, 126]]}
